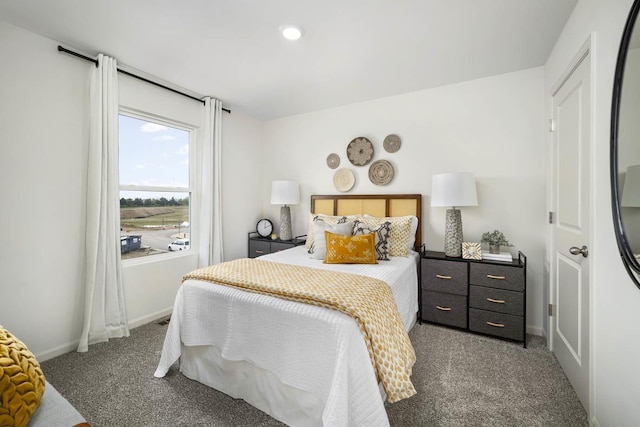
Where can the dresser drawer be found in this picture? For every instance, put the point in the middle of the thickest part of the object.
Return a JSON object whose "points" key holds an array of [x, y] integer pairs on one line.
{"points": [[499, 300], [258, 248], [498, 324], [279, 246], [444, 276], [443, 308], [497, 276]]}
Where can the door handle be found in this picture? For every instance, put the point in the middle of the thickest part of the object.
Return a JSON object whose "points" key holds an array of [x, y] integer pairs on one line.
{"points": [[577, 251]]}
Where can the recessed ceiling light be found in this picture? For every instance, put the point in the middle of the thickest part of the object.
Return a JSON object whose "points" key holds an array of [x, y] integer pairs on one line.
{"points": [[291, 32]]}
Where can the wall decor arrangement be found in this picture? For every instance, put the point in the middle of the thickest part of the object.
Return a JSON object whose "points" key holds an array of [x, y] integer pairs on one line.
{"points": [[333, 160], [381, 172], [344, 180], [391, 143], [360, 151]]}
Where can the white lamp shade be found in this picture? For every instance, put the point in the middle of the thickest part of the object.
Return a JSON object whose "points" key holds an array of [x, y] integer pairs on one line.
{"points": [[454, 189], [285, 193], [631, 190]]}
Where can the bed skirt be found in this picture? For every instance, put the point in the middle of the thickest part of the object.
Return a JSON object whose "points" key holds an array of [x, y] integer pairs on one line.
{"points": [[259, 387]]}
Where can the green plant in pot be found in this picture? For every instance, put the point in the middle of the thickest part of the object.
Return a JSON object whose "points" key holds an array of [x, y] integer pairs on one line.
{"points": [[495, 239]]}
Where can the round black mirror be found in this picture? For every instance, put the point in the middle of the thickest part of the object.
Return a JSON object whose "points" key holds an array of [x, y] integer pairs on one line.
{"points": [[625, 147]]}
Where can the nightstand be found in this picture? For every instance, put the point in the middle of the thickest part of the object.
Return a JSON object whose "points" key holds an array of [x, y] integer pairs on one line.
{"points": [[258, 246], [487, 297]]}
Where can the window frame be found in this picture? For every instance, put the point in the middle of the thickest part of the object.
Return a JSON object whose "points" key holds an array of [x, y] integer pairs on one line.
{"points": [[190, 191]]}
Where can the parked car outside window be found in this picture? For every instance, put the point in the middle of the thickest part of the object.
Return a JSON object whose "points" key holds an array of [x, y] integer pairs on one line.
{"points": [[178, 245]]}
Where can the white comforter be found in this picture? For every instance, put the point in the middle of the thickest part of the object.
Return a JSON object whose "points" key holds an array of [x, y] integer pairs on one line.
{"points": [[317, 350]]}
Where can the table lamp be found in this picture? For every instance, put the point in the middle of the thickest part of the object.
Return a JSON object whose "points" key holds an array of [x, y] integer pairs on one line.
{"points": [[451, 190], [285, 193]]}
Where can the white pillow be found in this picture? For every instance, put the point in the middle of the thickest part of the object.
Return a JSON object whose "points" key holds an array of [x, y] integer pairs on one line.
{"points": [[329, 219], [319, 242]]}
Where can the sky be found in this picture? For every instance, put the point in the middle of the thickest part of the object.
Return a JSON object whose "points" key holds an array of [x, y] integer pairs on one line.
{"points": [[152, 154]]}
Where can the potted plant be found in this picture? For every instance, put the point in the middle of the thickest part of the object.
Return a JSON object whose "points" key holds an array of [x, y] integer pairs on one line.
{"points": [[495, 239]]}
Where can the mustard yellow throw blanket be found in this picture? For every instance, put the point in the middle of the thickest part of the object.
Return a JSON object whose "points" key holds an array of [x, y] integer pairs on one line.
{"points": [[369, 301]]}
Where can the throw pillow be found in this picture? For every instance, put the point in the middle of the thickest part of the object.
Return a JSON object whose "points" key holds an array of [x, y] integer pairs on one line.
{"points": [[320, 244], [21, 381], [328, 219], [400, 232], [381, 233], [350, 249]]}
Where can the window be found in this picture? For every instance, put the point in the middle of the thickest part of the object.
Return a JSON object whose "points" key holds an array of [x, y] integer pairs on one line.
{"points": [[155, 186]]}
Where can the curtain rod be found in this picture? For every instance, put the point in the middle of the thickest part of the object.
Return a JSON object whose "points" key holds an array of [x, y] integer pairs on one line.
{"points": [[95, 61]]}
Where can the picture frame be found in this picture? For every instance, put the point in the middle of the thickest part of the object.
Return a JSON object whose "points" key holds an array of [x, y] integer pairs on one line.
{"points": [[471, 250]]}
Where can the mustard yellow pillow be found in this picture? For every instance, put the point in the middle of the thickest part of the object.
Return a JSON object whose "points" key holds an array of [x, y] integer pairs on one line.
{"points": [[350, 249], [21, 381]]}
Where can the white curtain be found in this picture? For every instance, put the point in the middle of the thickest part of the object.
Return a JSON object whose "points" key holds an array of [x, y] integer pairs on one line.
{"points": [[104, 311], [210, 234]]}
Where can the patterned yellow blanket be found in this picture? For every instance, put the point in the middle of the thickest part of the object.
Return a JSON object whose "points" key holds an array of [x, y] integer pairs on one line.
{"points": [[369, 301]]}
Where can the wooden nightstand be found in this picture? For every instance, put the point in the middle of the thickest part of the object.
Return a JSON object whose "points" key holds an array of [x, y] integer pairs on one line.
{"points": [[261, 245], [488, 297]]}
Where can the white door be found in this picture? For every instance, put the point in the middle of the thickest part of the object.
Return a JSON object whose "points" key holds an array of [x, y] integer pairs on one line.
{"points": [[570, 284]]}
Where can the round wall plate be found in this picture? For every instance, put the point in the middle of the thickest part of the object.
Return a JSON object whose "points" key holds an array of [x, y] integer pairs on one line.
{"points": [[391, 143], [344, 180], [333, 160], [360, 151], [381, 172]]}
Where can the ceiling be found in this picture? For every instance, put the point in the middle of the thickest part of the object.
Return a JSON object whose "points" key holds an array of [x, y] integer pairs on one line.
{"points": [[352, 50]]}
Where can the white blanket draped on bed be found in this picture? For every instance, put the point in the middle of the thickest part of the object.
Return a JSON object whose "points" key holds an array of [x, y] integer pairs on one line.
{"points": [[312, 349]]}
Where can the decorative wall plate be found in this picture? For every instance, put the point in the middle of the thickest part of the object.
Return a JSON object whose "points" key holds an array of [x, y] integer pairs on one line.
{"points": [[333, 160], [360, 151], [471, 250], [343, 180], [380, 172], [391, 143]]}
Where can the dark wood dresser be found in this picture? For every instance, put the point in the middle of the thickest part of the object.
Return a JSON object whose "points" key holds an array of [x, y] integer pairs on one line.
{"points": [[487, 297]]}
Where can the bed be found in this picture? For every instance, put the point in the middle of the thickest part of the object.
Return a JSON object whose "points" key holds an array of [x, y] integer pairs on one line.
{"points": [[302, 364]]}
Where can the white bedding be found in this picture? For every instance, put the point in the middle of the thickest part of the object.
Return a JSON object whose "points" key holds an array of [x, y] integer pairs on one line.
{"points": [[308, 365]]}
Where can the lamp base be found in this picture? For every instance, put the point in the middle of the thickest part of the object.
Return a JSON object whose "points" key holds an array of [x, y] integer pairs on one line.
{"points": [[453, 233], [285, 223]]}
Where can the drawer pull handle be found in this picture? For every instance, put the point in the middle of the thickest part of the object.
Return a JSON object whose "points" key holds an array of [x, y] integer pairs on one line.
{"points": [[443, 308], [259, 252], [440, 276], [496, 325], [497, 301], [491, 276]]}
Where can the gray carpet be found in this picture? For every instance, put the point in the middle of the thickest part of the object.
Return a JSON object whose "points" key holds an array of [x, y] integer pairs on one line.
{"points": [[462, 379]]}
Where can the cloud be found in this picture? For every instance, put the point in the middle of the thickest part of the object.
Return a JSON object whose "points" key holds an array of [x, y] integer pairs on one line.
{"points": [[164, 138], [184, 149], [152, 127]]}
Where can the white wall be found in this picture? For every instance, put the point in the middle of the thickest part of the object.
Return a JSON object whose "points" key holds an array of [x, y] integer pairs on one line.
{"points": [[615, 305], [493, 127], [44, 132], [43, 129]]}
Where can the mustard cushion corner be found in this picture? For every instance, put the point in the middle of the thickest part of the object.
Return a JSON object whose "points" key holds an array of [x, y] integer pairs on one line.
{"points": [[358, 249], [21, 381]]}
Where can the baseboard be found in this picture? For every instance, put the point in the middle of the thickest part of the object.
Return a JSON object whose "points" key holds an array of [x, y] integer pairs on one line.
{"points": [[57, 351], [534, 330], [73, 346], [150, 318]]}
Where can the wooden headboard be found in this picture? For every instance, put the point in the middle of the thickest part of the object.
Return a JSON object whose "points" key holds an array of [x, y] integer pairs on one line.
{"points": [[379, 205]]}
